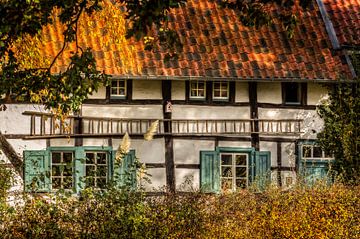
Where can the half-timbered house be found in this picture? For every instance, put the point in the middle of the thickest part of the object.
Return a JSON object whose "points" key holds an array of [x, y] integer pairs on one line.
{"points": [[238, 102]]}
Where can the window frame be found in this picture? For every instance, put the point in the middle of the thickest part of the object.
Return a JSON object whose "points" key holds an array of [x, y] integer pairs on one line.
{"points": [[52, 164], [118, 96], [220, 98], [301, 94], [234, 166], [202, 98]]}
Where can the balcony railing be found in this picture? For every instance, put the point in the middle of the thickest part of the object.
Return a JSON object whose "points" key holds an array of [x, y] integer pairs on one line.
{"points": [[45, 125]]}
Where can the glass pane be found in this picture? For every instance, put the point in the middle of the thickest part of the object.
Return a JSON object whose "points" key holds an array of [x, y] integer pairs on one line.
{"points": [[241, 183], [114, 91], [226, 183], [226, 159], [193, 85], [226, 172], [67, 183], [90, 182], [317, 152], [56, 157], [292, 91], [90, 171], [121, 83], [56, 171], [114, 84], [217, 93], [201, 93], [216, 85], [306, 151], [67, 157], [102, 171], [90, 158], [56, 182], [240, 171], [121, 91], [224, 94], [101, 182], [224, 85], [240, 159], [193, 93], [201, 85], [101, 158], [67, 170]]}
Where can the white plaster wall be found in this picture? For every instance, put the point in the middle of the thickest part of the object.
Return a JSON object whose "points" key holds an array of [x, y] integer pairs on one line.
{"points": [[288, 154], [272, 147], [237, 144], [269, 92], [210, 112], [178, 90], [147, 89], [100, 94], [315, 92], [312, 123], [157, 180], [288, 175], [241, 92], [146, 151], [20, 145], [123, 111], [12, 121], [95, 142], [188, 151], [187, 179], [62, 142]]}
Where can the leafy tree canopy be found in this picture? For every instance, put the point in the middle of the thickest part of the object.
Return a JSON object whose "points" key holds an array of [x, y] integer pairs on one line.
{"points": [[25, 74]]}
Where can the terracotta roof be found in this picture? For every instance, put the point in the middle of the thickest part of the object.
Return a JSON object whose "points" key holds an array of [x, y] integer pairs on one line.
{"points": [[345, 17], [216, 44]]}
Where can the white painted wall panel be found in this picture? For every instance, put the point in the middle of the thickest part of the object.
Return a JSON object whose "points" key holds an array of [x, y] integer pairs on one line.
{"points": [[187, 180], [146, 89], [14, 122], [123, 111], [20, 145], [188, 151], [157, 179], [237, 144], [272, 147], [269, 92], [315, 92], [146, 151], [95, 142], [65, 142], [100, 94], [241, 92], [288, 179], [178, 90], [210, 112], [288, 154]]}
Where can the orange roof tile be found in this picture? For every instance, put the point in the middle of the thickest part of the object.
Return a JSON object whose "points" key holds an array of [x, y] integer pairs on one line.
{"points": [[217, 45], [345, 17]]}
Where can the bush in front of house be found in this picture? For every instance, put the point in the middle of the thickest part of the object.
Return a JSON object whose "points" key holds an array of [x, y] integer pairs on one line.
{"points": [[321, 211]]}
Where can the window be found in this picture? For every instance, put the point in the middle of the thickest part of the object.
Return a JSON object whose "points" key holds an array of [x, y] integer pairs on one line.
{"points": [[118, 89], [62, 170], [220, 90], [229, 169], [75, 168], [197, 90], [234, 171], [96, 169], [291, 93], [314, 162]]}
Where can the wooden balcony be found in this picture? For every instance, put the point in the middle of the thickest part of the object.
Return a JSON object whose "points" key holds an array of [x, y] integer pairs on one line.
{"points": [[45, 125]]}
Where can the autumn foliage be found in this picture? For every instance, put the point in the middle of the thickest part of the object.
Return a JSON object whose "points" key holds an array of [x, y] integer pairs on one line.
{"points": [[318, 212]]}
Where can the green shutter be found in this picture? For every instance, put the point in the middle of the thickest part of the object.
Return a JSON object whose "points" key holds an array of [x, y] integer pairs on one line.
{"points": [[209, 171], [315, 171], [125, 171], [262, 169], [80, 158], [37, 171]]}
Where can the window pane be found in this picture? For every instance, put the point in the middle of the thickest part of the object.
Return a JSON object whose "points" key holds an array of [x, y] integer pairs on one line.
{"points": [[121, 91], [193, 93], [226, 159], [90, 182], [101, 158], [201, 85], [193, 85], [56, 183], [292, 92], [56, 157], [226, 172], [114, 84], [241, 183], [90, 158], [216, 85], [101, 182], [90, 170], [306, 151], [224, 85], [67, 158], [201, 93], [114, 91], [56, 171], [101, 171], [240, 160], [224, 94], [241, 172], [67, 182], [217, 93], [317, 152], [67, 170], [121, 83]]}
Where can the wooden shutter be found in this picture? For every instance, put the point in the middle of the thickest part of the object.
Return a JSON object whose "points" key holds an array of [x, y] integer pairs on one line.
{"points": [[315, 171], [37, 171], [209, 171], [125, 171], [80, 158], [262, 169]]}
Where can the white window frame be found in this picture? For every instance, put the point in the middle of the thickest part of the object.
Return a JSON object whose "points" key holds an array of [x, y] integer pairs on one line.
{"points": [[197, 97], [117, 87], [62, 164], [233, 169], [95, 164], [221, 90], [323, 156]]}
